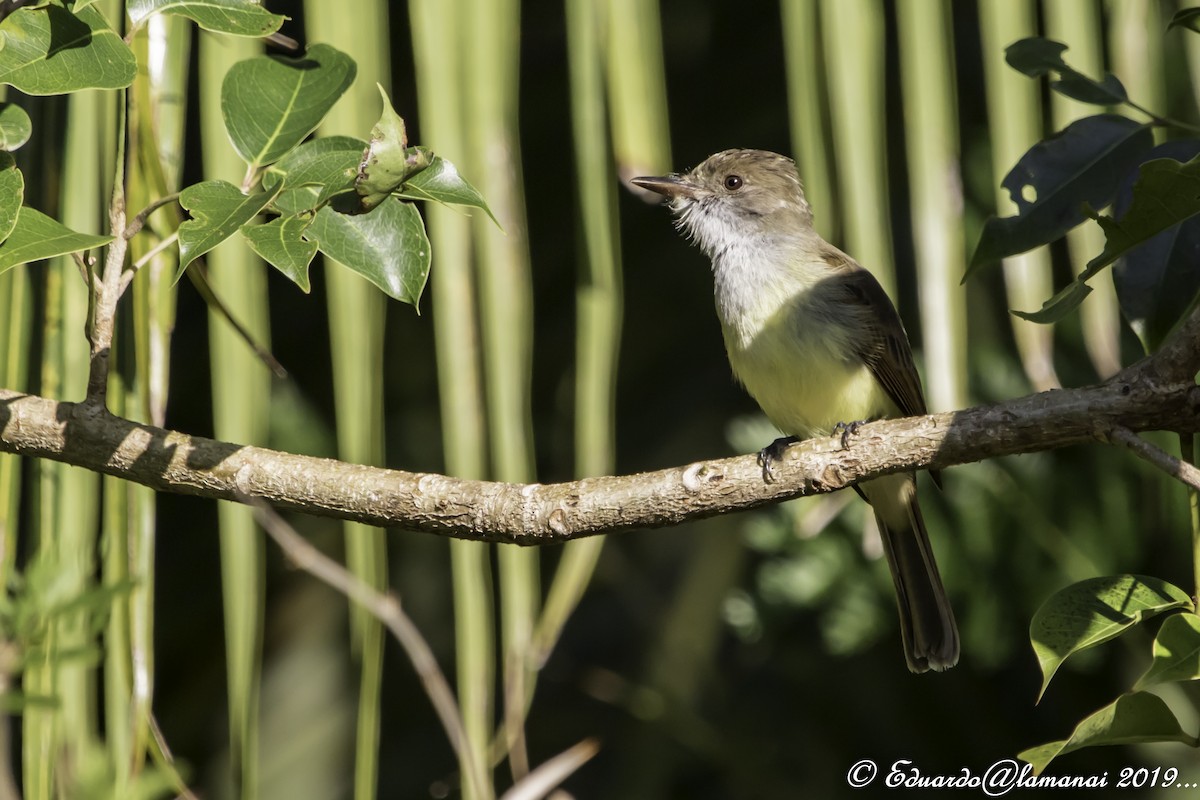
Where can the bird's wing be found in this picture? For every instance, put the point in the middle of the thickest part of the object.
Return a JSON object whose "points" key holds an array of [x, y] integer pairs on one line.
{"points": [[884, 348]]}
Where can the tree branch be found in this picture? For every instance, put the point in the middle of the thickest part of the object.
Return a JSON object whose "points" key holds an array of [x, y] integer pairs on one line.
{"points": [[86, 435], [1186, 473]]}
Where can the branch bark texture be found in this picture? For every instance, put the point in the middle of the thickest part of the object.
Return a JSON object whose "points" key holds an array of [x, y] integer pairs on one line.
{"points": [[1156, 394]]}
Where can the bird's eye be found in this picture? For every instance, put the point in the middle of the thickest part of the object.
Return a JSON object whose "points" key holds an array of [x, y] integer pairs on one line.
{"points": [[733, 182]]}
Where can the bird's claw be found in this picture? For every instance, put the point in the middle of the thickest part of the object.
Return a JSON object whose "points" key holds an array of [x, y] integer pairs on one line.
{"points": [[847, 429], [772, 453]]}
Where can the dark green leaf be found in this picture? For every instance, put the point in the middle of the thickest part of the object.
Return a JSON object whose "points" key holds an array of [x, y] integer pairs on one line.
{"points": [[388, 160], [1176, 652], [440, 182], [15, 126], [1036, 56], [329, 163], [271, 103], [1186, 18], [387, 246], [1062, 303], [1154, 237], [1134, 718], [1077, 169], [1091, 612], [281, 244], [236, 17], [36, 236], [49, 50], [12, 192], [218, 209]]}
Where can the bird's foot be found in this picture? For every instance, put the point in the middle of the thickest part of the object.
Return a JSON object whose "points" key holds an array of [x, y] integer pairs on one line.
{"points": [[848, 429], [772, 453]]}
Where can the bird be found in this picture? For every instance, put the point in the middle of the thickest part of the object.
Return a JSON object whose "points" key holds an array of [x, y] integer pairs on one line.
{"points": [[815, 340]]}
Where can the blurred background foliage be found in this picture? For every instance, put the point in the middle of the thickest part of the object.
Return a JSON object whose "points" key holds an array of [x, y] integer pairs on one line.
{"points": [[749, 656]]}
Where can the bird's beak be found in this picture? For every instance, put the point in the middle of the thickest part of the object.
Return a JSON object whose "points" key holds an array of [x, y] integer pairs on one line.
{"points": [[670, 186]]}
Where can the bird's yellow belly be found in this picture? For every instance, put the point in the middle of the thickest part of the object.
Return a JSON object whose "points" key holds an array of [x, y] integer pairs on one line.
{"points": [[804, 386]]}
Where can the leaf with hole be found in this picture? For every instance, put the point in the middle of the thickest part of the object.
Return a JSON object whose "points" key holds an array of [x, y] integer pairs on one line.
{"points": [[234, 17], [387, 246], [36, 236], [49, 50], [271, 103], [218, 209], [1080, 168], [1094, 611]]}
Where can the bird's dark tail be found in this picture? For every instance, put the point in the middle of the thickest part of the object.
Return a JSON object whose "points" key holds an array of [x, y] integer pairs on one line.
{"points": [[926, 619]]}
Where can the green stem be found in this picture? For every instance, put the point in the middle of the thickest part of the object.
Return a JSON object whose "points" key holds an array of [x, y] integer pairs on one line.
{"points": [[1187, 452]]}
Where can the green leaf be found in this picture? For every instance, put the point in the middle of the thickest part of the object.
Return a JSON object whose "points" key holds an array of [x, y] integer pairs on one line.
{"points": [[330, 163], [1166, 193], [1077, 169], [218, 209], [236, 17], [1062, 303], [1091, 612], [1036, 56], [388, 160], [1132, 719], [291, 202], [12, 192], [1156, 279], [1176, 652], [387, 246], [36, 236], [440, 182], [1186, 18], [281, 244], [271, 103], [15, 126], [49, 50]]}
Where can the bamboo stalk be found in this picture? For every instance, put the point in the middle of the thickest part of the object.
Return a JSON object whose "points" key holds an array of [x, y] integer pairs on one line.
{"points": [[1135, 43], [807, 114], [1076, 23], [506, 313], [856, 92], [1015, 121], [357, 313], [935, 186], [598, 302], [452, 282], [637, 88], [241, 402]]}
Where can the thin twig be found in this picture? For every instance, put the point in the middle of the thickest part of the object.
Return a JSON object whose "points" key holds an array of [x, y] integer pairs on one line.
{"points": [[199, 278], [386, 608], [168, 760], [128, 277], [548, 775], [139, 220], [1160, 458]]}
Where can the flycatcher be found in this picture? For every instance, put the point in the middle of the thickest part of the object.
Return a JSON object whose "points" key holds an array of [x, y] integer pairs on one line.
{"points": [[815, 340]]}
